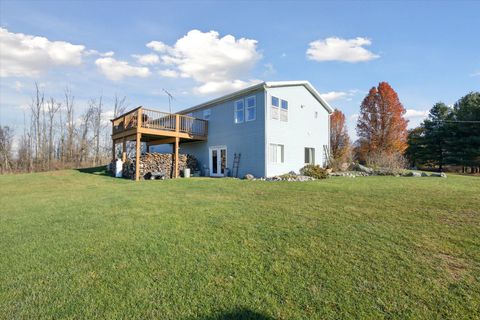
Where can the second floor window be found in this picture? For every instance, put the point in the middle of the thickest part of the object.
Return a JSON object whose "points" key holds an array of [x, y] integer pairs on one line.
{"points": [[239, 111], [206, 114], [284, 111], [250, 108], [275, 108]]}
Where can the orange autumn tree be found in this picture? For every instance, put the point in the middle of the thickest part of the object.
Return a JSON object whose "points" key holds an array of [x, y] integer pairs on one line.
{"points": [[381, 127], [339, 139]]}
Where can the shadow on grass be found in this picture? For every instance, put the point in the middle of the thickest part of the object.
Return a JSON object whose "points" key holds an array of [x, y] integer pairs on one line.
{"points": [[242, 314], [99, 171]]}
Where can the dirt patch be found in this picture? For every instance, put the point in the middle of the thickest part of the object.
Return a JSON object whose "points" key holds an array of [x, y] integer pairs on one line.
{"points": [[454, 266]]}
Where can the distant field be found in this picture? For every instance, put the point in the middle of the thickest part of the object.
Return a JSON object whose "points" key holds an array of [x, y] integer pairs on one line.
{"points": [[84, 245]]}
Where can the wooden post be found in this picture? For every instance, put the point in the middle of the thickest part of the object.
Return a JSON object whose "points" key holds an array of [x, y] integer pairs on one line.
{"points": [[137, 157], [139, 118], [177, 142], [113, 150], [124, 150]]}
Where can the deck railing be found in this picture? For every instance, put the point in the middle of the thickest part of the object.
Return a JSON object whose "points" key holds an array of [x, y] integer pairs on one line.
{"points": [[158, 120]]}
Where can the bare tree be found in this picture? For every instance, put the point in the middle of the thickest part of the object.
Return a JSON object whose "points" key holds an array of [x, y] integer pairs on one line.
{"points": [[85, 119], [36, 108], [52, 109], [6, 142], [96, 120], [119, 105], [70, 125]]}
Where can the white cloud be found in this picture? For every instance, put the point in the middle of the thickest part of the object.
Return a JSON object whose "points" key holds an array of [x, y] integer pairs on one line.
{"points": [[147, 59], [337, 49], [337, 95], [169, 73], [157, 46], [216, 63], [117, 70], [412, 113], [475, 74], [24, 55]]}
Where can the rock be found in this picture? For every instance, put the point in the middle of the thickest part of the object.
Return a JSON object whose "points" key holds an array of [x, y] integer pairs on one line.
{"points": [[359, 167], [344, 166], [424, 174], [439, 174], [412, 174], [292, 173], [249, 176]]}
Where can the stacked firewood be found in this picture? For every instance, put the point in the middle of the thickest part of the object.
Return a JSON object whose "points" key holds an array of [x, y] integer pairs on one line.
{"points": [[159, 165]]}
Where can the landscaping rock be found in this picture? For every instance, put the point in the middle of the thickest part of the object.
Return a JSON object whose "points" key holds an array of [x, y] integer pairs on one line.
{"points": [[424, 174], [412, 174], [359, 167], [439, 174], [249, 176]]}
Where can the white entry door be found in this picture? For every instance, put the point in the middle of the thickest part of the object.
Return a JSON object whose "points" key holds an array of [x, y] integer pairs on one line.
{"points": [[218, 161]]}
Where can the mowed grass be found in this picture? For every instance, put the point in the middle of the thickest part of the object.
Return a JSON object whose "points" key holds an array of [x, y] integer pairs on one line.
{"points": [[85, 246]]}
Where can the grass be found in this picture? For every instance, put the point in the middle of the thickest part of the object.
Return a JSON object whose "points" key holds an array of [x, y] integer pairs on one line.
{"points": [[83, 245]]}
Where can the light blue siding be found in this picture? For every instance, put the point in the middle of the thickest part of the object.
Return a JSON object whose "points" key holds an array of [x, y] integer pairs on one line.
{"points": [[302, 129], [247, 138]]}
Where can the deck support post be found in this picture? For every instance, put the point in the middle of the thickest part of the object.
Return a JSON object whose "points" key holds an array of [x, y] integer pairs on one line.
{"points": [[124, 150], [175, 146], [177, 141], [113, 150], [137, 156]]}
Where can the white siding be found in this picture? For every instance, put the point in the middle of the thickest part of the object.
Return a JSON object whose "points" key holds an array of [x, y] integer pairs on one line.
{"points": [[301, 130]]}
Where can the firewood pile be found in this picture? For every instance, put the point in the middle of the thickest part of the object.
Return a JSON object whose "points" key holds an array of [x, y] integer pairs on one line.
{"points": [[159, 165]]}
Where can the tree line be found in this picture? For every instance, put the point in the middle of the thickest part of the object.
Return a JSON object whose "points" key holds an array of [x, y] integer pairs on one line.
{"points": [[450, 136], [59, 134]]}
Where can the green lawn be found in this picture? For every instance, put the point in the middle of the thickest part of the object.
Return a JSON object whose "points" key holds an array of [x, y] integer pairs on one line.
{"points": [[81, 245]]}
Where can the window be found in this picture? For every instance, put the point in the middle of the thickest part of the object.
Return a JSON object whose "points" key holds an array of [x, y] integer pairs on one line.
{"points": [[276, 153], [275, 108], [284, 111], [310, 155], [239, 111], [206, 114], [250, 108]]}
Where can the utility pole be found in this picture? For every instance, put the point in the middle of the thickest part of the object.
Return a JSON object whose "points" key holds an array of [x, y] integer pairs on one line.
{"points": [[170, 99]]}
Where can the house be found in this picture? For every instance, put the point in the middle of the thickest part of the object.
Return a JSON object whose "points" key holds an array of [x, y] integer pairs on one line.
{"points": [[276, 127]]}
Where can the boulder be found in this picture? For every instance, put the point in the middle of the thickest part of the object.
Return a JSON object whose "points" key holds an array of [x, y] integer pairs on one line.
{"points": [[424, 174], [439, 174], [412, 174], [249, 176], [359, 167]]}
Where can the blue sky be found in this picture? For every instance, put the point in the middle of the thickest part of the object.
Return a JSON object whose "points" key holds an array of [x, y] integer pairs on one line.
{"points": [[428, 51]]}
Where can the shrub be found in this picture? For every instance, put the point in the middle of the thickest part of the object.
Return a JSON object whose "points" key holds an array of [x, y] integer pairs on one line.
{"points": [[314, 171], [387, 164]]}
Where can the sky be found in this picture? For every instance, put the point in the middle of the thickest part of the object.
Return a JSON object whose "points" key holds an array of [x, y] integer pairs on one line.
{"points": [[428, 51]]}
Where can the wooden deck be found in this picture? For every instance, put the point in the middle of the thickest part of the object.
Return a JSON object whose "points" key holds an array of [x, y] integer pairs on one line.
{"points": [[155, 127]]}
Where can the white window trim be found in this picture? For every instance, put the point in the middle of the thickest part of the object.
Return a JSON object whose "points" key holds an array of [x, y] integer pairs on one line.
{"points": [[282, 154], [246, 107], [309, 155], [235, 111]]}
